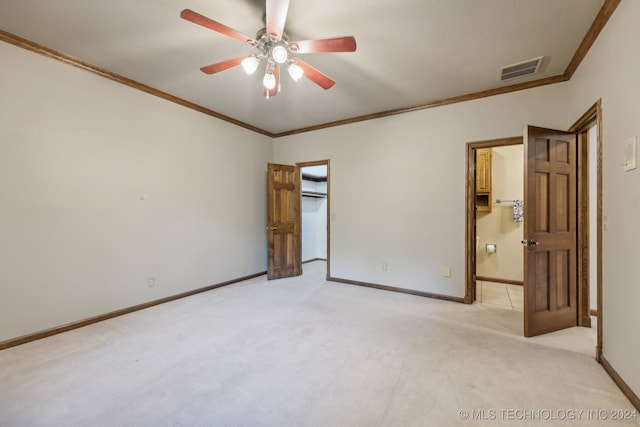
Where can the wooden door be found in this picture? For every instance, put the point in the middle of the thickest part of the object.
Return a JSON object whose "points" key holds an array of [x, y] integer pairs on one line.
{"points": [[283, 221], [550, 261]]}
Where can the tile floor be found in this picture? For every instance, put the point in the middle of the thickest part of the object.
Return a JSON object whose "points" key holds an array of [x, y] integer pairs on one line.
{"points": [[500, 295]]}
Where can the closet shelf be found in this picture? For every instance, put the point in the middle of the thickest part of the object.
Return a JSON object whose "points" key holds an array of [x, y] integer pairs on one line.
{"points": [[314, 194]]}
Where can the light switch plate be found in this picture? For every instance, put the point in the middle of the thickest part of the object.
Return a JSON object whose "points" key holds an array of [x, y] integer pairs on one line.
{"points": [[630, 154]]}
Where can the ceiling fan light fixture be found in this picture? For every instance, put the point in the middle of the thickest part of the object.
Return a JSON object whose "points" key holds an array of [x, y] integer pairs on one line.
{"points": [[295, 71], [250, 64], [279, 54], [269, 80], [274, 47]]}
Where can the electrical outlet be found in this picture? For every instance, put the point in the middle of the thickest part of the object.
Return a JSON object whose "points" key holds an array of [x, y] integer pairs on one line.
{"points": [[151, 282], [384, 266], [446, 271]]}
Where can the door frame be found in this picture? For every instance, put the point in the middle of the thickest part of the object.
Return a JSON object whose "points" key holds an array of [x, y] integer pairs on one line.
{"points": [[592, 116], [326, 162]]}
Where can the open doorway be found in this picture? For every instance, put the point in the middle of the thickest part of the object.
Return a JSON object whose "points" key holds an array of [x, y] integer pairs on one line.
{"points": [[284, 217], [499, 228], [480, 203], [589, 221], [314, 209]]}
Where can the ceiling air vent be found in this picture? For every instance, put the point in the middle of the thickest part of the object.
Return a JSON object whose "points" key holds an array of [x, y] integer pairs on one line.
{"points": [[521, 69]]}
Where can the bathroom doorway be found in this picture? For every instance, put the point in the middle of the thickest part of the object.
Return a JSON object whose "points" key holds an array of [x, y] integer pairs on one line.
{"points": [[494, 261], [589, 190], [499, 227]]}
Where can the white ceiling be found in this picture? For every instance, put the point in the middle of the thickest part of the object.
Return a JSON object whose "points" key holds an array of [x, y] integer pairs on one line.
{"points": [[409, 52]]}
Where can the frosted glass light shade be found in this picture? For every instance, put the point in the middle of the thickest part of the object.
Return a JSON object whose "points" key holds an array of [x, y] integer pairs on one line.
{"points": [[250, 64], [295, 72], [269, 80]]}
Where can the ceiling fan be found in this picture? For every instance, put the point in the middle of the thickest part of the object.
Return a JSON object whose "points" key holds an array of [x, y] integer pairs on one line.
{"points": [[274, 46]]}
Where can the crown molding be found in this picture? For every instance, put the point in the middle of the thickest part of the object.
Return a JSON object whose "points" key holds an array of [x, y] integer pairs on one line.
{"points": [[606, 11]]}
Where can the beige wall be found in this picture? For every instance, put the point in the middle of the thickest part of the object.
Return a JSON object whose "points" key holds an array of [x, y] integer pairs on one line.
{"points": [[610, 72], [497, 227], [102, 187], [398, 185]]}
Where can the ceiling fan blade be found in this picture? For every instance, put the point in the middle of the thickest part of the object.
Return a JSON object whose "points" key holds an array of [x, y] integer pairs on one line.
{"points": [[315, 76], [224, 65], [276, 15], [338, 44], [196, 18]]}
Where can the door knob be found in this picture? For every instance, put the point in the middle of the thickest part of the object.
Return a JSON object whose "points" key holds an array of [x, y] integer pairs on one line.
{"points": [[533, 243], [271, 228], [524, 242]]}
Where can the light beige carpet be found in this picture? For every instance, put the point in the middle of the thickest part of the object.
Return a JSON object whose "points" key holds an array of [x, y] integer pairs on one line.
{"points": [[306, 352]]}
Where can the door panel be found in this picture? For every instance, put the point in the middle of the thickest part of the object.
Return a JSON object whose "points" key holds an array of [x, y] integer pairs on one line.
{"points": [[550, 262], [541, 201], [283, 221]]}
